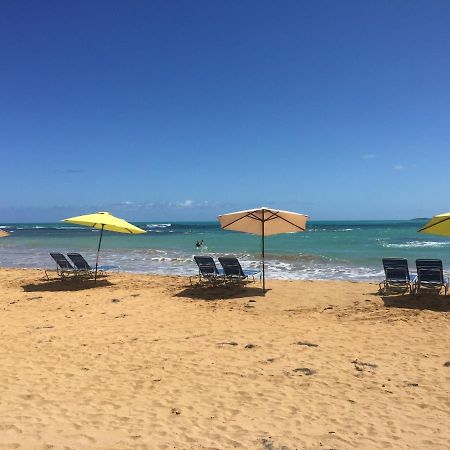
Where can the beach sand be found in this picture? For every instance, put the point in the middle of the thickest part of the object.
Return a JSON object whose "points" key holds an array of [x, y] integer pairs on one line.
{"points": [[148, 362]]}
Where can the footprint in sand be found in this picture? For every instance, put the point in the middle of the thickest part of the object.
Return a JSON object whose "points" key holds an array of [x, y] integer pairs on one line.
{"points": [[360, 366], [306, 343], [305, 371]]}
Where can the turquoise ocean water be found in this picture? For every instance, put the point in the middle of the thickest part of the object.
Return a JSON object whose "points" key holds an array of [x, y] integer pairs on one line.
{"points": [[349, 250]]}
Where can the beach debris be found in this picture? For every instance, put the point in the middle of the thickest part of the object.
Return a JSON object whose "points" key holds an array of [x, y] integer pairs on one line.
{"points": [[175, 411], [412, 384], [267, 444], [250, 346], [447, 364], [308, 344], [115, 300], [228, 343], [305, 371], [361, 365], [121, 316], [35, 298], [248, 306], [252, 301], [327, 307]]}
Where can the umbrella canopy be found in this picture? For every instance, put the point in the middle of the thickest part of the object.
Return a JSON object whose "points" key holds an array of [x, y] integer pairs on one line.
{"points": [[439, 225], [3, 233], [104, 221], [263, 222]]}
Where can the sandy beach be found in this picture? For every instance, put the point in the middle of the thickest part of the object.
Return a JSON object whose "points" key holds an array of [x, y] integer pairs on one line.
{"points": [[149, 362]]}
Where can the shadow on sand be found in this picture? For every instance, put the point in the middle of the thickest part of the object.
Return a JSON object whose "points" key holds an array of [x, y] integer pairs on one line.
{"points": [[428, 301], [209, 293], [68, 285]]}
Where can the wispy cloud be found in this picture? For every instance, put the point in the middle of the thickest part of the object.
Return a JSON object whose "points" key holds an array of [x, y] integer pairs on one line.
{"points": [[185, 204], [399, 167], [369, 156], [68, 171], [404, 167], [167, 205]]}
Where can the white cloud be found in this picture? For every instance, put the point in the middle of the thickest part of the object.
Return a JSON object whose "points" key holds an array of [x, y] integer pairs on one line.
{"points": [[399, 167], [185, 204], [369, 156]]}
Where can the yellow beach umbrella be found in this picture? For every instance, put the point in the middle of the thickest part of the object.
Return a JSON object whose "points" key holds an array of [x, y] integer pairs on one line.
{"points": [[439, 225], [104, 221]]}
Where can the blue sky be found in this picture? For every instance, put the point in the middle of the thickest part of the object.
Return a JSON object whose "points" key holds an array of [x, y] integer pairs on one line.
{"points": [[180, 110]]}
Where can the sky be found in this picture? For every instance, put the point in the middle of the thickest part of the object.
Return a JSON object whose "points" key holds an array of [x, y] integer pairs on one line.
{"points": [[182, 110]]}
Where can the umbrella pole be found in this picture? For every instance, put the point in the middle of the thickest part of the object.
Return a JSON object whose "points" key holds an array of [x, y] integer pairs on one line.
{"points": [[262, 254], [98, 251]]}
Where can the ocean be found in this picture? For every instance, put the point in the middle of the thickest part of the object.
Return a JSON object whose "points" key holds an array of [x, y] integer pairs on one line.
{"points": [[345, 250]]}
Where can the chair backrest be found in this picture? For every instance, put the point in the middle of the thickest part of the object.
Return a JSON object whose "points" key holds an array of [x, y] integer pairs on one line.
{"points": [[430, 270], [231, 266], [206, 265], [396, 269], [61, 261], [79, 261]]}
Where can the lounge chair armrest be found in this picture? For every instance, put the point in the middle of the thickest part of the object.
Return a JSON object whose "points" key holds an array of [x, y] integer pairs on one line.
{"points": [[107, 268], [251, 271]]}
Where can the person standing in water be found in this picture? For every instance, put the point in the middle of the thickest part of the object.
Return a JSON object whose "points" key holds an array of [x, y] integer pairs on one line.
{"points": [[199, 245]]}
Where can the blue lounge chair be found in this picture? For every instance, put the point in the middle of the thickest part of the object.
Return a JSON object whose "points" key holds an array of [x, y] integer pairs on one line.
{"points": [[430, 276], [233, 270], [82, 265], [207, 270], [63, 267], [397, 277]]}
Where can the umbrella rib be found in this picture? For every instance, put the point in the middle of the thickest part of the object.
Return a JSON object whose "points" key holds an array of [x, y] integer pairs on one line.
{"points": [[272, 217], [433, 225], [242, 217], [288, 221]]}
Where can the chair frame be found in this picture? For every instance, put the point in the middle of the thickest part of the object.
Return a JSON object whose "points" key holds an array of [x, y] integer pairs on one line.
{"points": [[83, 266], [433, 270], [207, 271], [397, 276], [64, 268], [233, 270]]}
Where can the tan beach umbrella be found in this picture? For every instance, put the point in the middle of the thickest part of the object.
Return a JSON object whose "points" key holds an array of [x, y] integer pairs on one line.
{"points": [[439, 225], [104, 221], [263, 222], [3, 233]]}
